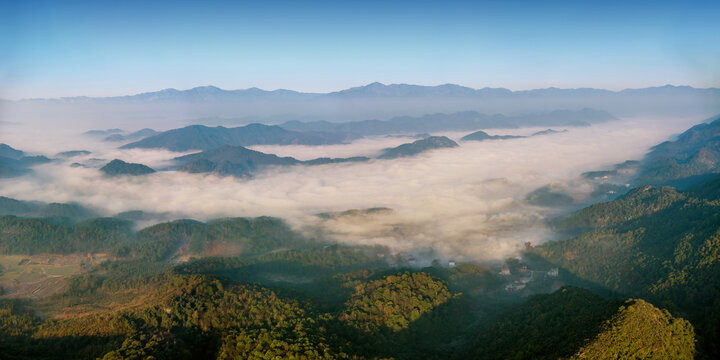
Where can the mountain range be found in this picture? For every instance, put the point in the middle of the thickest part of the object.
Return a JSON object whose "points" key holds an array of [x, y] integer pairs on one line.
{"points": [[460, 121], [171, 108]]}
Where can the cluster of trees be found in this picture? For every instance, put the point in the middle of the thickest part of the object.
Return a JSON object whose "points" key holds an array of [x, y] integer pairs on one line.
{"points": [[395, 301]]}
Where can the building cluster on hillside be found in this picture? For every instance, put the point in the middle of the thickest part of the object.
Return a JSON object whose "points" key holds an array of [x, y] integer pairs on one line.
{"points": [[527, 276]]}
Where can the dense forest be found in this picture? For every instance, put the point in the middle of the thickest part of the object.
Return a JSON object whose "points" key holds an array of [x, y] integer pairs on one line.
{"points": [[654, 243], [287, 296]]}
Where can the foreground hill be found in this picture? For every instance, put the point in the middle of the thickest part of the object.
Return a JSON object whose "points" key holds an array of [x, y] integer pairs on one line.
{"points": [[578, 324], [199, 137], [657, 244]]}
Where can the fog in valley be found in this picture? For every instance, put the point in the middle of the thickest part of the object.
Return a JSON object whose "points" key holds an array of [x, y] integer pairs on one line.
{"points": [[465, 203]]}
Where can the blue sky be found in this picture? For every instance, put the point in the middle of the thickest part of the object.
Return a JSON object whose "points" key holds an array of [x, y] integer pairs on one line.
{"points": [[102, 48]]}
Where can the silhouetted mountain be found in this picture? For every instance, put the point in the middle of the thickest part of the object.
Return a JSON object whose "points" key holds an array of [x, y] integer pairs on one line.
{"points": [[417, 147], [696, 152], [119, 167], [481, 136], [461, 121], [199, 137]]}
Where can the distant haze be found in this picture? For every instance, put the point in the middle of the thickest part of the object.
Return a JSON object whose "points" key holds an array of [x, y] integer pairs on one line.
{"points": [[210, 105]]}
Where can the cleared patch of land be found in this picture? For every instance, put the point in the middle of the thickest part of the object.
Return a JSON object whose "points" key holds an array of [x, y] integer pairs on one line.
{"points": [[38, 276]]}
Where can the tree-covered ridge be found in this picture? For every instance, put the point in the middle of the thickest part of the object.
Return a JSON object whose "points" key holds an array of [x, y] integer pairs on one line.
{"points": [[695, 152], [232, 236], [34, 236], [545, 327], [188, 317], [669, 257], [576, 323], [638, 202], [394, 301], [641, 331], [70, 211]]}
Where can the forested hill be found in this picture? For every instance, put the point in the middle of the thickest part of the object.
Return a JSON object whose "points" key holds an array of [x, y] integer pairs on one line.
{"points": [[601, 329], [234, 236], [654, 243]]}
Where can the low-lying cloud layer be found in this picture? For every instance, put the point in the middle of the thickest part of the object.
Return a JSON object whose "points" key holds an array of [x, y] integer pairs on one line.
{"points": [[463, 203]]}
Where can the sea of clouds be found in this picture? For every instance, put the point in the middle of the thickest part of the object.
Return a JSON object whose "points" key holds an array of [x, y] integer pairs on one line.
{"points": [[465, 203]]}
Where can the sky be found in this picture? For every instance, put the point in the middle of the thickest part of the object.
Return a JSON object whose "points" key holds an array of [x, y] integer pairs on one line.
{"points": [[107, 48]]}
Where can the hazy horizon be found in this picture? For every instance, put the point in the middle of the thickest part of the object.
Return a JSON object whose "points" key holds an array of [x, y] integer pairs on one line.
{"points": [[72, 49]]}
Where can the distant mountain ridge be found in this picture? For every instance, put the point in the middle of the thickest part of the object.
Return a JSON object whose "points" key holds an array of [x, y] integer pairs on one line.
{"points": [[210, 92], [172, 108], [459, 121]]}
